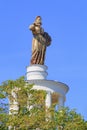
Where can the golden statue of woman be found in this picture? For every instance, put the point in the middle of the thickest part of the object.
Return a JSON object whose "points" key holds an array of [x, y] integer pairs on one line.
{"points": [[40, 41]]}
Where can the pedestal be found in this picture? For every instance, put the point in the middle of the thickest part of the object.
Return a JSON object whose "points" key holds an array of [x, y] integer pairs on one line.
{"points": [[36, 72]]}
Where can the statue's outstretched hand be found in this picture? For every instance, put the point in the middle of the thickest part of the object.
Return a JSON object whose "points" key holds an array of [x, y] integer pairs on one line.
{"points": [[32, 27]]}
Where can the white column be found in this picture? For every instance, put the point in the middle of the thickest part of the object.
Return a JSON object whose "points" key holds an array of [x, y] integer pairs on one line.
{"points": [[61, 101], [48, 100], [14, 105], [11, 128]]}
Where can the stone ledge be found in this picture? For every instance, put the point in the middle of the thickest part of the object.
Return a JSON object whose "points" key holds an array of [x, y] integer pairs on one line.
{"points": [[50, 85]]}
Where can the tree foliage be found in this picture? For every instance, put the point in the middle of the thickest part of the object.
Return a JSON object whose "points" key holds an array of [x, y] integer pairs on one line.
{"points": [[32, 113]]}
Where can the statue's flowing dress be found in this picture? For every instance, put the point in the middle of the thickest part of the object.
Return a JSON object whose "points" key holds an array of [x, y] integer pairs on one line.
{"points": [[38, 51]]}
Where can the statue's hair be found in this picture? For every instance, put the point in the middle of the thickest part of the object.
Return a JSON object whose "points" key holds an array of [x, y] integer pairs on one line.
{"points": [[37, 17]]}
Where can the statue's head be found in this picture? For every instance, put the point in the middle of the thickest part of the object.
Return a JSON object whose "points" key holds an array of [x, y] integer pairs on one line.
{"points": [[38, 20]]}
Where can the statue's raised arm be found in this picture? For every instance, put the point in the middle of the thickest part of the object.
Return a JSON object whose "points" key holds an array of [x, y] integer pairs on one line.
{"points": [[40, 41]]}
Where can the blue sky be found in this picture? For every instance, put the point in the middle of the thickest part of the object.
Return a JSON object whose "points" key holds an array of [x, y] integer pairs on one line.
{"points": [[66, 58]]}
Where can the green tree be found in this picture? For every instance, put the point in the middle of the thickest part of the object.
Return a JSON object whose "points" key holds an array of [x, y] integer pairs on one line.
{"points": [[32, 113]]}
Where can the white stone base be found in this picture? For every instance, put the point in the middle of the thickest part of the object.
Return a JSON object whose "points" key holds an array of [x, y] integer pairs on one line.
{"points": [[36, 72]]}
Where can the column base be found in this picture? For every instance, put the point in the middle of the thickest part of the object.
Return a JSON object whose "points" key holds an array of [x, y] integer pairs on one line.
{"points": [[36, 71]]}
